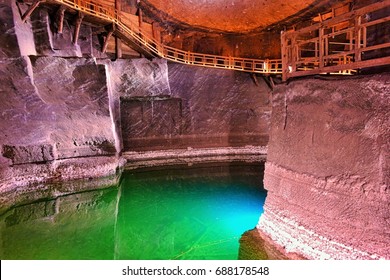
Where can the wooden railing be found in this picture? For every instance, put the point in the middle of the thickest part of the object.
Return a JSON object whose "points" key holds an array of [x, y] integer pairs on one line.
{"points": [[137, 34], [340, 44]]}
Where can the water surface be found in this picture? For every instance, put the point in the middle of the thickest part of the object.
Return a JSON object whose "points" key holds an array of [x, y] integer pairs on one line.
{"points": [[182, 212]]}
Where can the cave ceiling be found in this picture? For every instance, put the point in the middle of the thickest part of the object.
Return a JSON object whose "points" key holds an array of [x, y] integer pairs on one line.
{"points": [[237, 16]]}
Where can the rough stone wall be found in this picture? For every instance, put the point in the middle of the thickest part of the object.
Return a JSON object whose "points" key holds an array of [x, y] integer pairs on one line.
{"points": [[327, 171], [67, 112], [185, 106], [56, 118]]}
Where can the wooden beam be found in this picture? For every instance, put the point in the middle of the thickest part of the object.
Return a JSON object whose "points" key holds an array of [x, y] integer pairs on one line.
{"points": [[31, 9], [358, 38], [118, 42], [60, 18], [118, 48], [77, 26], [140, 17], [321, 46], [140, 25], [332, 69], [343, 17], [108, 37], [284, 52]]}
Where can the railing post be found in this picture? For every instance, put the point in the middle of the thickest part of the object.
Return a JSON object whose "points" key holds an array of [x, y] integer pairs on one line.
{"points": [[285, 58], [266, 66], [294, 52], [321, 47], [357, 31]]}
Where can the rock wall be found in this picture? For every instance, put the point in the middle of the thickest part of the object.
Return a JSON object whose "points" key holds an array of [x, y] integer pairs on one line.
{"points": [[194, 107], [56, 111], [67, 112], [327, 171]]}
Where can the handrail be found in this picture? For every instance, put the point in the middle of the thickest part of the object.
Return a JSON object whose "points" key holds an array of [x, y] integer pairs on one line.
{"points": [[337, 45], [302, 54], [109, 13]]}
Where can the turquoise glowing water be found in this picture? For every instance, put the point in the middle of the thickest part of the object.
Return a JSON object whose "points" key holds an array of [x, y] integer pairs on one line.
{"points": [[177, 213]]}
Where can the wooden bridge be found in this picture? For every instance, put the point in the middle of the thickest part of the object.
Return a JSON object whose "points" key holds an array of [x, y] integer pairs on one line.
{"points": [[339, 44]]}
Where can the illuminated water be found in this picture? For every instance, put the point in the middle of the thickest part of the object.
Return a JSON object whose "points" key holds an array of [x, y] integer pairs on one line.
{"points": [[176, 213]]}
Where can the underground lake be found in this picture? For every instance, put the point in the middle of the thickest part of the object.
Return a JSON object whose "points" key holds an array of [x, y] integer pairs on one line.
{"points": [[196, 212]]}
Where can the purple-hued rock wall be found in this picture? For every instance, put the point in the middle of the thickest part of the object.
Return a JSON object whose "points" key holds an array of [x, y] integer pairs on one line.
{"points": [[57, 102], [68, 112], [56, 112], [200, 107], [327, 171]]}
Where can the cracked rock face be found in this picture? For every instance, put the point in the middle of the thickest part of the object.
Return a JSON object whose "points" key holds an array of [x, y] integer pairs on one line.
{"points": [[9, 43], [200, 107], [327, 171], [60, 105], [140, 77]]}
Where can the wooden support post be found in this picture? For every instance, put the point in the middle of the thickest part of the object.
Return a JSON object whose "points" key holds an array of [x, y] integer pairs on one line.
{"points": [[108, 37], [77, 26], [321, 47], [140, 18], [364, 35], [156, 32], [294, 52], [284, 56], [140, 26], [118, 42], [60, 18], [357, 31], [118, 48], [157, 36], [31, 9], [326, 50], [351, 41]]}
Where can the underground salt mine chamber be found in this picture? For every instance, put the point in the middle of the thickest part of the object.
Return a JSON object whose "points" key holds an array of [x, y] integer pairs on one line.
{"points": [[202, 130]]}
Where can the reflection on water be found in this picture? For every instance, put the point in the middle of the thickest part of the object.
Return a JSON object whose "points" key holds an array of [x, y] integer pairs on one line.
{"points": [[176, 213]]}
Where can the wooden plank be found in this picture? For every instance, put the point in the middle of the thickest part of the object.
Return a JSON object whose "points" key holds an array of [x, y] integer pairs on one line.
{"points": [[357, 35], [344, 17], [375, 47], [375, 22], [321, 47], [284, 52], [346, 30], [342, 67]]}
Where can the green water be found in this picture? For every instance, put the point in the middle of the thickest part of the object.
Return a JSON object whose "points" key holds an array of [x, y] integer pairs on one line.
{"points": [[173, 213]]}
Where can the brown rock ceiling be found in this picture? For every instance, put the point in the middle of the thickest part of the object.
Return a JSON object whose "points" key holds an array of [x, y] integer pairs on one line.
{"points": [[231, 15]]}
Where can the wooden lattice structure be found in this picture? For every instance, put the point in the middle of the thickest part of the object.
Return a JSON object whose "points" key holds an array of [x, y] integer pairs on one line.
{"points": [[338, 44]]}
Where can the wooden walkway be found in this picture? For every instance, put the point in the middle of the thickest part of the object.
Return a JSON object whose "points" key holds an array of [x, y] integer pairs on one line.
{"points": [[354, 40], [338, 45]]}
